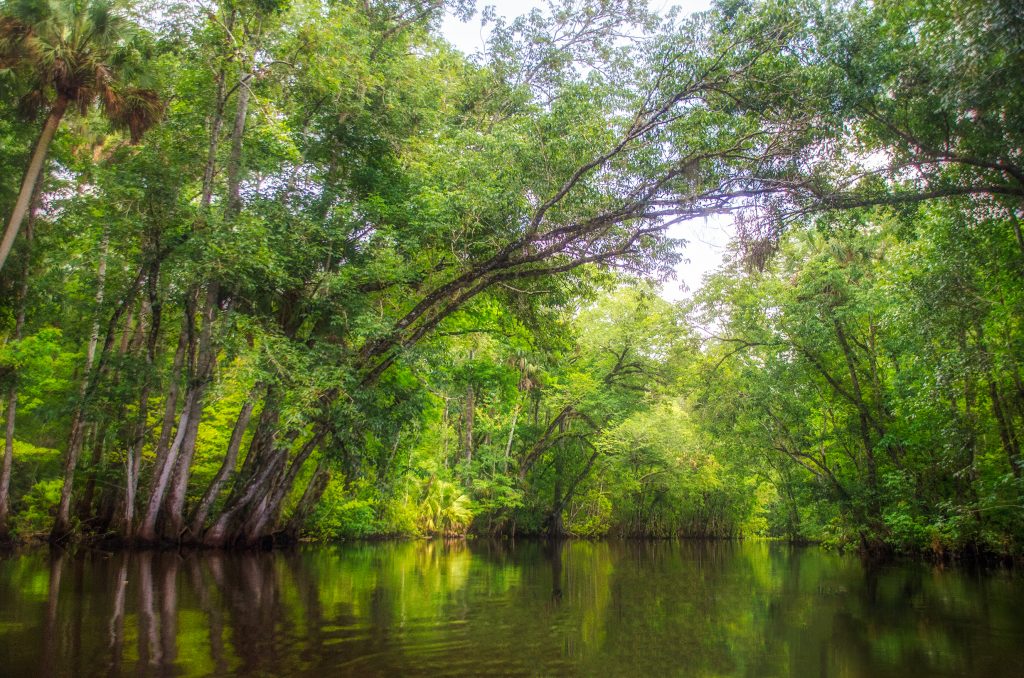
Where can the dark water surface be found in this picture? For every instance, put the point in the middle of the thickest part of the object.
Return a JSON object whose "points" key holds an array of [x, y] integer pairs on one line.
{"points": [[601, 608]]}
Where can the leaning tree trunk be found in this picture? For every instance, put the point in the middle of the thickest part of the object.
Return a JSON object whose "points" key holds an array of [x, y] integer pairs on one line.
{"points": [[62, 523], [310, 498], [227, 467], [261, 444], [32, 174], [218, 533], [262, 520], [165, 446], [174, 505], [161, 478]]}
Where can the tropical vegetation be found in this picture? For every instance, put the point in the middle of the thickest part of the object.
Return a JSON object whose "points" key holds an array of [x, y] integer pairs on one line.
{"points": [[293, 268]]}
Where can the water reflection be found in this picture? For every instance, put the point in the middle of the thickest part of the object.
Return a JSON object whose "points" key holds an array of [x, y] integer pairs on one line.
{"points": [[585, 608]]}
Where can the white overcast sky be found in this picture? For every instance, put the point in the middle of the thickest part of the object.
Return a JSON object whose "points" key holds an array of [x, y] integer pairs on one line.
{"points": [[706, 239]]}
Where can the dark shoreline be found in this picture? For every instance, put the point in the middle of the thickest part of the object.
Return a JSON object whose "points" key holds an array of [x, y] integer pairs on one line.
{"points": [[966, 558]]}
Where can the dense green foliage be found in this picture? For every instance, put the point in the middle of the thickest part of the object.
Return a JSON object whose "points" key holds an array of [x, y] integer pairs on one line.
{"points": [[325, 275]]}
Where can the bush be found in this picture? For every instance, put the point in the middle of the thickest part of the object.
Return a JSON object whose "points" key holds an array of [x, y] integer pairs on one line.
{"points": [[33, 514]]}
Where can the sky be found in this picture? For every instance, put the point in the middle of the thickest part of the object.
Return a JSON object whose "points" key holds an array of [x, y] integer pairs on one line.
{"points": [[706, 239]]}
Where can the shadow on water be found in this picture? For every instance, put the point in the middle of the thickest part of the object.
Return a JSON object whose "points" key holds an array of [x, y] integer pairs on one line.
{"points": [[432, 608]]}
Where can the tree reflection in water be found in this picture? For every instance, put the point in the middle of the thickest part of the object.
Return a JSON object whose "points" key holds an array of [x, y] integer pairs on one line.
{"points": [[429, 608]]}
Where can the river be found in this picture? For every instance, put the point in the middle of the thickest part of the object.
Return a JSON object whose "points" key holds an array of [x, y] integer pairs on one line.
{"points": [[431, 608]]}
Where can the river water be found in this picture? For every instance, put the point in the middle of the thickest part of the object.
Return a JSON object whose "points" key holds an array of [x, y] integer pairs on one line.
{"points": [[581, 608]]}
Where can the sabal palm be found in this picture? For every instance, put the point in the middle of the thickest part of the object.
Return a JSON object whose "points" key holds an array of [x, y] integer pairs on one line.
{"points": [[74, 54]]}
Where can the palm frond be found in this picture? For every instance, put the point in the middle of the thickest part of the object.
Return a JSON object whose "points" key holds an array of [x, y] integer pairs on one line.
{"points": [[86, 51]]}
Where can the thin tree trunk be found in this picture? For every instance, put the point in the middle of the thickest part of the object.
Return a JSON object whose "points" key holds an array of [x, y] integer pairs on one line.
{"points": [[261, 443], [314, 491], [32, 174], [171, 404], [12, 392], [865, 424], [511, 434], [175, 500], [234, 168], [84, 504], [228, 466], [555, 527], [467, 428], [161, 478], [444, 433], [100, 443], [1006, 435], [5, 472], [216, 122], [62, 523], [1004, 421], [562, 499], [133, 457], [1016, 229]]}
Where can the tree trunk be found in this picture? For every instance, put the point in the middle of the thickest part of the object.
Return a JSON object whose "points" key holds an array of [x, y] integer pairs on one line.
{"points": [[32, 174], [555, 527], [314, 491], [5, 472], [12, 392], [511, 434], [62, 523], [171, 404], [217, 534], [262, 441], [100, 443], [266, 515], [562, 499], [1006, 434], [133, 340], [866, 424], [175, 501], [85, 501], [133, 456], [161, 478], [467, 426], [1004, 421], [228, 465]]}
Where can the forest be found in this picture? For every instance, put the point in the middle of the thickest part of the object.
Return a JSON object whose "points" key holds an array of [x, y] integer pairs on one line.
{"points": [[276, 270]]}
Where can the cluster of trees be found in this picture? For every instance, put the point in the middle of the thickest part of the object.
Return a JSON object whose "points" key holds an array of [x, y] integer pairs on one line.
{"points": [[282, 266]]}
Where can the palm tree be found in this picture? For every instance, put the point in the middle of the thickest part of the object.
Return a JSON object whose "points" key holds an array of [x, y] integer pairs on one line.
{"points": [[74, 54]]}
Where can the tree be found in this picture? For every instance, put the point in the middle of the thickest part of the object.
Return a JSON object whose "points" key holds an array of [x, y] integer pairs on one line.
{"points": [[74, 55]]}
